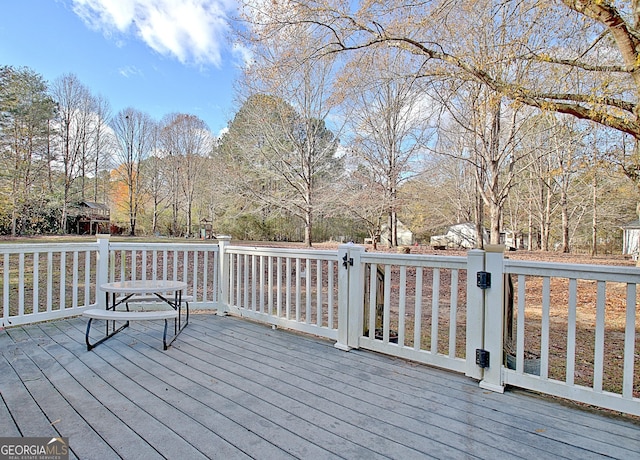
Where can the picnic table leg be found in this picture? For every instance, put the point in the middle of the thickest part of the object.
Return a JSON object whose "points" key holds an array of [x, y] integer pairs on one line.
{"points": [[91, 346]]}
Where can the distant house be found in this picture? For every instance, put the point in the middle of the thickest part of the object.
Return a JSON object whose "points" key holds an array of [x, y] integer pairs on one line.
{"points": [[88, 218], [405, 236], [463, 236], [631, 239], [458, 236]]}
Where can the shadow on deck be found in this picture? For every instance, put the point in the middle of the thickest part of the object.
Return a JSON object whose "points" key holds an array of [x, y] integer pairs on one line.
{"points": [[231, 388]]}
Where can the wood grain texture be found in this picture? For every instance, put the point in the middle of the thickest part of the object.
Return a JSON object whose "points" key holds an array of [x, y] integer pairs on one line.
{"points": [[232, 388]]}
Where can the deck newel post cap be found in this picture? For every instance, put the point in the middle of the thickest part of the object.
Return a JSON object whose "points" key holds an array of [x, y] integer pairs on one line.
{"points": [[103, 236], [223, 238], [494, 248]]}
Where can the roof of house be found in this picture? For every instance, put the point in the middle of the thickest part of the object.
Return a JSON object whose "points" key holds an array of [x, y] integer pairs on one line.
{"points": [[632, 224], [93, 205]]}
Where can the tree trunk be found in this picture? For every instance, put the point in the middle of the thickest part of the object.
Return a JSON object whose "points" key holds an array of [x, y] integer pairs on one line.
{"points": [[565, 220], [495, 215]]}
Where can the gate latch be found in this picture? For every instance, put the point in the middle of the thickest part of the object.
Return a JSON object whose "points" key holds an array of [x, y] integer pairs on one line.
{"points": [[346, 261]]}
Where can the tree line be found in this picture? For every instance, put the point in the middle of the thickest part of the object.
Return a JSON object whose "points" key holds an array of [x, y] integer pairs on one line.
{"points": [[350, 122]]}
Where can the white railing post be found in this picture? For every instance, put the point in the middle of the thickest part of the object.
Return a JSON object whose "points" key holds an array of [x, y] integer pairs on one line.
{"points": [[102, 268], [223, 275], [356, 296], [494, 318], [475, 312], [344, 256]]}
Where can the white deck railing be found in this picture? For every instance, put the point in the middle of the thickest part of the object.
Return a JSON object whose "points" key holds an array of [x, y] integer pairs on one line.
{"points": [[291, 288], [573, 330], [420, 307], [196, 264], [41, 282], [578, 341]]}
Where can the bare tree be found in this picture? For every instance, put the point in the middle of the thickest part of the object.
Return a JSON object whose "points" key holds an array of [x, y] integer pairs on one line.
{"points": [[575, 57], [493, 133], [74, 112], [133, 130], [389, 115], [185, 143], [102, 141], [286, 132]]}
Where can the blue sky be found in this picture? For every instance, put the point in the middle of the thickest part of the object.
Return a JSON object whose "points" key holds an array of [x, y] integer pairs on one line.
{"points": [[157, 56]]}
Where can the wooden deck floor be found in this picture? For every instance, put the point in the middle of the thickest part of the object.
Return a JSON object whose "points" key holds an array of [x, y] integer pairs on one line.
{"points": [[230, 388]]}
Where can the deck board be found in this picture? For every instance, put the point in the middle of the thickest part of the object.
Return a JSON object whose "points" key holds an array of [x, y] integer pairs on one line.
{"points": [[231, 388]]}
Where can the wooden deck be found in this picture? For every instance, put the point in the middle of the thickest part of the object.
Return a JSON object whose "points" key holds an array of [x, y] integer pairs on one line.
{"points": [[229, 388]]}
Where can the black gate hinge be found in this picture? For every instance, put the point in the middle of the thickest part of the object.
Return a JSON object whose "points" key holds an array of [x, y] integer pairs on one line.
{"points": [[483, 280], [482, 358]]}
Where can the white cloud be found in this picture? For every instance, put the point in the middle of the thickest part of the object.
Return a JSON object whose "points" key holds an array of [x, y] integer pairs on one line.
{"points": [[193, 31], [243, 54], [130, 71]]}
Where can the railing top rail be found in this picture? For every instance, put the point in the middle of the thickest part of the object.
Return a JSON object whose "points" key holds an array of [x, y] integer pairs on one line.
{"points": [[417, 260], [46, 247], [298, 253], [575, 271], [120, 246]]}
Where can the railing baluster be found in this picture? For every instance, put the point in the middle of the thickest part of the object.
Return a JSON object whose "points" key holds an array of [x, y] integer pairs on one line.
{"points": [[520, 324], [74, 275], [270, 260], [245, 281], [261, 270], [318, 293], [288, 289], [629, 342], [175, 264], [387, 304], [36, 282], [571, 331], [330, 294], [254, 284], [165, 264], [453, 314], [195, 274], [205, 276], [134, 265], [279, 287], [154, 265], [21, 284], [123, 265], [185, 266], [5, 289], [402, 300], [49, 281], [598, 363], [373, 299], [307, 283], [417, 320], [435, 310], [544, 334], [144, 264], [63, 280], [298, 296]]}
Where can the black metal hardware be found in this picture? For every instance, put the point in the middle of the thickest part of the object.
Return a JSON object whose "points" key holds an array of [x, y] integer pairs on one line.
{"points": [[346, 261], [483, 280], [482, 358]]}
